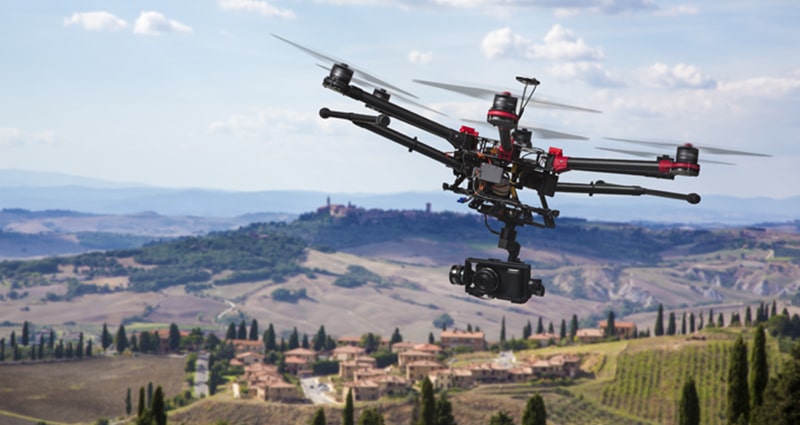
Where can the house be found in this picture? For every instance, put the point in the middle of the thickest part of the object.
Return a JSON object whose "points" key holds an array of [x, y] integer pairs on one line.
{"points": [[559, 366], [589, 335], [411, 356], [249, 358], [297, 366], [348, 340], [419, 369], [456, 338], [282, 392], [445, 379], [245, 345], [520, 374], [428, 348], [349, 367], [362, 390], [623, 330], [310, 356], [347, 352], [543, 339], [488, 372], [389, 385], [399, 347], [267, 384]]}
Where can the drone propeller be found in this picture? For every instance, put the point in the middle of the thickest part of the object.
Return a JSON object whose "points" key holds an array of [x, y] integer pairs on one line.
{"points": [[398, 96], [651, 154], [541, 133], [374, 81], [485, 93], [712, 150]]}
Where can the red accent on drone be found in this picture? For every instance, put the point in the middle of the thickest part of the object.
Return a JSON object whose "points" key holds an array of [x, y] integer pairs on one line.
{"points": [[560, 162]]}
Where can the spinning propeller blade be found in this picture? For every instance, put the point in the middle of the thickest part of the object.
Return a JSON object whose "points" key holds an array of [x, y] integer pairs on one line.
{"points": [[375, 81], [712, 150], [651, 154], [541, 133], [485, 93]]}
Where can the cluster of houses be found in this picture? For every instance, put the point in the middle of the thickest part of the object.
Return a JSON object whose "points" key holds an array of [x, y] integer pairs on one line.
{"points": [[359, 373]]}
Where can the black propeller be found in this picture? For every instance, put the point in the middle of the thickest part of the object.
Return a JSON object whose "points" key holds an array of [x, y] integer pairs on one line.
{"points": [[712, 150]]}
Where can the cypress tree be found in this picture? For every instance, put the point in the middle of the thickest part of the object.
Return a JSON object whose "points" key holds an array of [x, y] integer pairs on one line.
{"points": [[431, 339], [89, 348], [253, 330], [501, 418], [305, 343], [759, 372], [269, 339], [611, 326], [348, 417], [294, 339], [721, 321], [140, 409], [105, 338], [41, 346], [781, 404], [174, 338], [535, 411], [527, 330], [51, 342], [396, 337], [689, 408], [550, 329], [748, 317], [25, 334], [573, 327], [774, 311], [539, 327], [738, 396], [79, 348], [2, 349], [659, 326], [241, 333], [121, 339], [128, 405], [13, 339], [444, 411], [691, 323], [427, 403], [231, 332], [683, 324], [159, 408], [503, 331], [319, 417], [671, 323], [149, 395], [563, 331], [319, 339]]}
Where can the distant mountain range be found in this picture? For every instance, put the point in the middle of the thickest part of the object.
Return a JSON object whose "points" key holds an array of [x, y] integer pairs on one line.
{"points": [[47, 191]]}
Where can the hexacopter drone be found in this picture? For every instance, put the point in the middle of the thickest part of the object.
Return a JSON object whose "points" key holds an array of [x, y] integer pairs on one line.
{"points": [[489, 173]]}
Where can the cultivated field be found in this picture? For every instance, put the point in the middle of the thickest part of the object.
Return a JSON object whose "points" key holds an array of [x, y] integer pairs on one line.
{"points": [[83, 391]]}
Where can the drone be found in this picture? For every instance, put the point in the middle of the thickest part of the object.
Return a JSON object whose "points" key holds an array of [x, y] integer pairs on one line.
{"points": [[489, 172]]}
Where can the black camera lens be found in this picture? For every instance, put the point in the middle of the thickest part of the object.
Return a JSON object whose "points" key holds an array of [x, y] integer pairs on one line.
{"points": [[486, 280], [457, 275]]}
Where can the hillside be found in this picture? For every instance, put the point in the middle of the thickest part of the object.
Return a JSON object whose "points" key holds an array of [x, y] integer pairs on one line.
{"points": [[587, 268]]}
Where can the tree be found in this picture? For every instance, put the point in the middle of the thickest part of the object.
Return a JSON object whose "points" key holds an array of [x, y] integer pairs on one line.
{"points": [[89, 348], [121, 339], [105, 338], [563, 330], [2, 349], [738, 397], [241, 333], [527, 330], [444, 411], [503, 331], [348, 417], [128, 405], [782, 396], [671, 323], [748, 316], [659, 327], [319, 339], [319, 417], [431, 339], [721, 321], [158, 407], [573, 327], [253, 336], [25, 334], [269, 339], [305, 344], [174, 339], [683, 324], [370, 416], [539, 326], [140, 409], [535, 411], [689, 405], [759, 372], [396, 337], [550, 329], [294, 339], [427, 403], [231, 332], [610, 325], [691, 322], [501, 418]]}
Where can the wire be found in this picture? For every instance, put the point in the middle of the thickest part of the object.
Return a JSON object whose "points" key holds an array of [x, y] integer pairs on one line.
{"points": [[486, 223]]}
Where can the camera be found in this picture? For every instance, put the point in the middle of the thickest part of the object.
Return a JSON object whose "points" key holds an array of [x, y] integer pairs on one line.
{"points": [[489, 278]]}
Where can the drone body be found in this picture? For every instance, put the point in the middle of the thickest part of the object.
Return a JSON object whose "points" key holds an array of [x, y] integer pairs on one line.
{"points": [[490, 172]]}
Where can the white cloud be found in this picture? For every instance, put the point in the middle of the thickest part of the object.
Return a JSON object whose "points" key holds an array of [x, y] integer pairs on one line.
{"points": [[763, 87], [680, 76], [264, 123], [558, 44], [155, 23], [679, 10], [96, 21], [591, 73], [10, 136], [415, 56], [261, 7]]}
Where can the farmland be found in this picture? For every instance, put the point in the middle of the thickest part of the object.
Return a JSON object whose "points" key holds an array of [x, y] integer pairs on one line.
{"points": [[83, 391]]}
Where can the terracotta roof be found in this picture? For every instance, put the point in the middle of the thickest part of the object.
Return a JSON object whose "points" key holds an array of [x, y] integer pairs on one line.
{"points": [[301, 352], [428, 348], [617, 324], [461, 334]]}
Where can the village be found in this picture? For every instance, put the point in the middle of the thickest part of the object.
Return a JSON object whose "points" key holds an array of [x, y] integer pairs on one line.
{"points": [[358, 372]]}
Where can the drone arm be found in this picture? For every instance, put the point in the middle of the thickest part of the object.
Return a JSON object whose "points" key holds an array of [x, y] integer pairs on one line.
{"points": [[663, 167], [412, 144], [602, 188]]}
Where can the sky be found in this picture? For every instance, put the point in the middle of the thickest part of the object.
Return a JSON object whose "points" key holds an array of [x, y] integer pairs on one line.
{"points": [[200, 94]]}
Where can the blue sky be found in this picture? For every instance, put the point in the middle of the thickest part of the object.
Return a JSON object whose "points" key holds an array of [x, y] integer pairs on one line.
{"points": [[199, 94]]}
